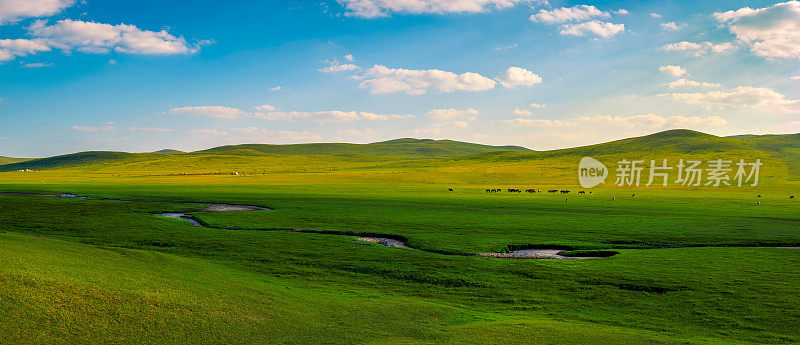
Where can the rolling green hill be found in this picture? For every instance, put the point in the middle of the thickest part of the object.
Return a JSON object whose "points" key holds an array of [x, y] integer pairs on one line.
{"points": [[407, 147], [10, 160], [250, 157], [678, 141], [74, 159]]}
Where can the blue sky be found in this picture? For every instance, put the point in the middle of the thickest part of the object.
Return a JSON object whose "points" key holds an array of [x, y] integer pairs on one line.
{"points": [[146, 75]]}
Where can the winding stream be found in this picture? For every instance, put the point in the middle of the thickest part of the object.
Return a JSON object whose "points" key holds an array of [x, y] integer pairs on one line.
{"points": [[540, 253]]}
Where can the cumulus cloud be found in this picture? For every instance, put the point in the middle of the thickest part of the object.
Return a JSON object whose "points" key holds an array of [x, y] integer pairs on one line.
{"points": [[691, 83], [797, 77], [276, 88], [569, 14], [322, 117], [515, 76], [334, 66], [521, 112], [596, 27], [94, 37], [11, 48], [655, 15], [212, 111], [538, 106], [699, 49], [671, 26], [772, 32], [265, 107], [14, 10], [758, 98], [381, 79], [383, 8], [673, 70]]}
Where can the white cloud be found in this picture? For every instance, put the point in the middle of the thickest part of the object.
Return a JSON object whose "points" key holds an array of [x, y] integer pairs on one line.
{"points": [[207, 132], [758, 98], [454, 124], [699, 49], [304, 135], [212, 111], [334, 66], [797, 77], [349, 58], [435, 132], [655, 15], [602, 29], [265, 107], [381, 79], [772, 32], [276, 88], [382, 8], [150, 129], [646, 121], [450, 114], [516, 76], [568, 14], [322, 117], [11, 48], [91, 37], [521, 112], [691, 83], [37, 65], [90, 129], [356, 133], [14, 10], [671, 26], [673, 70], [538, 106]]}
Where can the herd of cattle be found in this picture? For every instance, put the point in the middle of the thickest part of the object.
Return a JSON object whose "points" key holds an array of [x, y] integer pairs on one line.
{"points": [[563, 191], [533, 190]]}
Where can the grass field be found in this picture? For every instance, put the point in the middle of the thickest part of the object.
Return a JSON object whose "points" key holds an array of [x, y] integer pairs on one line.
{"points": [[93, 270]]}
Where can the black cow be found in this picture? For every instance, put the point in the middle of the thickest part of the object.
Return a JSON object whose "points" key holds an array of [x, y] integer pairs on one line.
{"points": [[450, 189], [581, 192], [564, 192], [791, 197], [553, 191]]}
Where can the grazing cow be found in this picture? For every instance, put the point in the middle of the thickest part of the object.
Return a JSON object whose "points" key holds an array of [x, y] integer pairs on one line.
{"points": [[634, 195], [450, 189], [564, 192], [758, 203], [553, 191], [791, 197], [759, 195], [581, 192]]}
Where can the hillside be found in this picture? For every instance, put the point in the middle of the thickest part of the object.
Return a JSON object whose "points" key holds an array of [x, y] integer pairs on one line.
{"points": [[671, 142], [63, 161], [10, 160], [783, 149], [407, 147]]}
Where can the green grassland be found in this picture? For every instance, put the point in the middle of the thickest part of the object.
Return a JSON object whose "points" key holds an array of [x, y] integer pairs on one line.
{"points": [[92, 270]]}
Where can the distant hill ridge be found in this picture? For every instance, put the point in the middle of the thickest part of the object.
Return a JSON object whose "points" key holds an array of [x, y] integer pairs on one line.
{"points": [[680, 141]]}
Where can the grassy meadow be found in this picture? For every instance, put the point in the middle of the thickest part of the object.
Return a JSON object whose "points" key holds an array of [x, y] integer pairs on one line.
{"points": [[695, 265]]}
